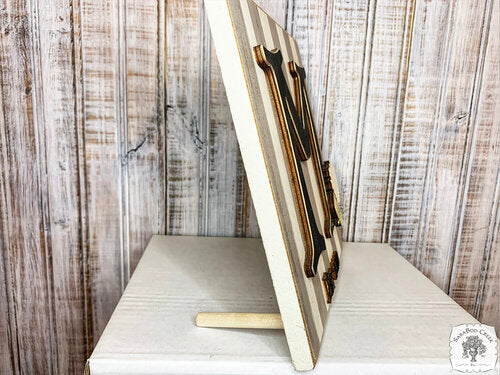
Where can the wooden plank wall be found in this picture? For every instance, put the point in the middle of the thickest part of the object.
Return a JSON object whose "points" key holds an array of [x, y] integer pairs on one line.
{"points": [[115, 126]]}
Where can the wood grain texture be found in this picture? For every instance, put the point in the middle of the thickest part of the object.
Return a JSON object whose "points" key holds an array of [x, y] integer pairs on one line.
{"points": [[144, 139], [225, 177], [183, 96], [8, 353], [114, 125], [25, 222], [423, 87], [378, 131], [475, 279], [8, 323], [349, 24], [103, 108], [57, 137], [452, 137], [442, 120], [487, 301]]}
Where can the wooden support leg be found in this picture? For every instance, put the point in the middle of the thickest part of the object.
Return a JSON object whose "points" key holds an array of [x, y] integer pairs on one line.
{"points": [[239, 320]]}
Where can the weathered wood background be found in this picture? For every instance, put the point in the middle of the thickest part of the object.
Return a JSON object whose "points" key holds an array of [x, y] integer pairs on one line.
{"points": [[115, 126]]}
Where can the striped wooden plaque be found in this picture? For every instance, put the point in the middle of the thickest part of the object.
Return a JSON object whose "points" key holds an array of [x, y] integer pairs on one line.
{"points": [[293, 191]]}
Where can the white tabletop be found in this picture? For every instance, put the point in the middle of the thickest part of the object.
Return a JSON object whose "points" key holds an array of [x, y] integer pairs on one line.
{"points": [[386, 317]]}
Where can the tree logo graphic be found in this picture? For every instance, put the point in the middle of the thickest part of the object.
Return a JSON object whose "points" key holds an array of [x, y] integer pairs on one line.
{"points": [[473, 348]]}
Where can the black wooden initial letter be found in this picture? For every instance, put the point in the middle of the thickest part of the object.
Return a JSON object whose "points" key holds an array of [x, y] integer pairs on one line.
{"points": [[295, 131]]}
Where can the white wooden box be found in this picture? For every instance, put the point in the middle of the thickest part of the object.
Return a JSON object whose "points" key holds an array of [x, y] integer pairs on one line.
{"points": [[386, 317]]}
